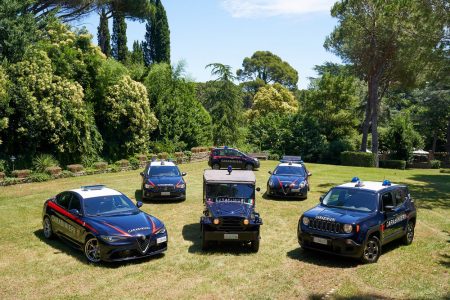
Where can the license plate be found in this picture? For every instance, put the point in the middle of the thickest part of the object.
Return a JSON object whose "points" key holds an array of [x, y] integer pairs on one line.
{"points": [[161, 239], [230, 236], [295, 190], [319, 240], [165, 193]]}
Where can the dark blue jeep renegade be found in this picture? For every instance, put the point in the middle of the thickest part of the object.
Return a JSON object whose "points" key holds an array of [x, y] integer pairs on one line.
{"points": [[355, 219]]}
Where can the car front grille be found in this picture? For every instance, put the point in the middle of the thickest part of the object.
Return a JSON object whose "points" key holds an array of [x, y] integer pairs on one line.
{"points": [[143, 243], [325, 225], [164, 188], [231, 224]]}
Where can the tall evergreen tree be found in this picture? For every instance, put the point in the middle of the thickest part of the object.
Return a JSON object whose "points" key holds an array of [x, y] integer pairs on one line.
{"points": [[137, 54], [149, 39], [104, 38], [161, 35], [119, 38]]}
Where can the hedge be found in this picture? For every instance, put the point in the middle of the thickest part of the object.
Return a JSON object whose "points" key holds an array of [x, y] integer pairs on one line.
{"points": [[359, 159], [435, 164], [75, 168], [123, 163], [100, 165], [53, 170], [393, 164]]}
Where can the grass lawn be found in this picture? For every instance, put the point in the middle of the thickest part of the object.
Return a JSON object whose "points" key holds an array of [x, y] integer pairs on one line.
{"points": [[31, 267]]}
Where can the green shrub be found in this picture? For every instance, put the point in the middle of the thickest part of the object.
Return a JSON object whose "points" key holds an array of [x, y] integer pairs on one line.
{"points": [[2, 176], [100, 165], [142, 157], [393, 164], [53, 170], [435, 164], [21, 173], [187, 154], [66, 174], [115, 168], [12, 181], [39, 177], [134, 163], [123, 163], [445, 171], [2, 165], [75, 168], [273, 156], [359, 159], [44, 161], [163, 155]]}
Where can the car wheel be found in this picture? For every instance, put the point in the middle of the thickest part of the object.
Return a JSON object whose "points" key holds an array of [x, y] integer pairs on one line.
{"points": [[255, 244], [249, 167], [205, 243], [216, 167], [92, 250], [48, 230], [372, 250], [409, 236]]}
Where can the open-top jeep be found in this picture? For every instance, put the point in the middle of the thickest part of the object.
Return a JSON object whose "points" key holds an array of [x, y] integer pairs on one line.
{"points": [[229, 208]]}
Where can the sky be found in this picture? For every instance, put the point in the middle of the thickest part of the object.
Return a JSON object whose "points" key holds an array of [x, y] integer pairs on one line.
{"points": [[227, 31]]}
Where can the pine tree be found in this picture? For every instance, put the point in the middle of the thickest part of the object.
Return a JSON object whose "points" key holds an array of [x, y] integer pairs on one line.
{"points": [[119, 38], [104, 38], [161, 35]]}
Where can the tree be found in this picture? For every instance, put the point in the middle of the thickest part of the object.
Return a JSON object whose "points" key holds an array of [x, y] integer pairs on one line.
{"points": [[119, 38], [269, 68], [157, 36], [104, 38], [4, 102], [224, 103], [387, 42], [137, 54], [128, 121]]}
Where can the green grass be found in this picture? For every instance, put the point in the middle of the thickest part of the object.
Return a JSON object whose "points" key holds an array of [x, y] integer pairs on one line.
{"points": [[32, 267]]}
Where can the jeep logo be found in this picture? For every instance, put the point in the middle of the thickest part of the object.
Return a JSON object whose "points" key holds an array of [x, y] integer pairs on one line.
{"points": [[326, 218]]}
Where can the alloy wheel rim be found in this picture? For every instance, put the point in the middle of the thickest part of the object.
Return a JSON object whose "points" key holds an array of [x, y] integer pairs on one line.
{"points": [[47, 228], [371, 251], [410, 233], [92, 250]]}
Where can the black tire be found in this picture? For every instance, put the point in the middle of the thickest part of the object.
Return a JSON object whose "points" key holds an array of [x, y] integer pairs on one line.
{"points": [[205, 243], [249, 167], [91, 250], [216, 167], [372, 250], [409, 235], [48, 229], [255, 244]]}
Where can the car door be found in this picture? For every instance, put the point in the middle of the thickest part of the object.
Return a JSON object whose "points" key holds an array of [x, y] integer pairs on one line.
{"points": [[400, 195], [235, 159], [76, 231], [58, 219], [390, 214]]}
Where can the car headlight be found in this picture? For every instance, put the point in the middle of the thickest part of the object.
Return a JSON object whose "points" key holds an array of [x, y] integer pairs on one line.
{"points": [[181, 186], [302, 184], [271, 183], [161, 231], [113, 238], [347, 228], [305, 221], [148, 186]]}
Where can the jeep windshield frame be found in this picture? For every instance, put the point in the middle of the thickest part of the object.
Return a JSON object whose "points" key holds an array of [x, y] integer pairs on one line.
{"points": [[352, 199], [230, 192]]}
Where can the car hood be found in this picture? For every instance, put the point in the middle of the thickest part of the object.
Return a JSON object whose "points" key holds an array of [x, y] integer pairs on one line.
{"points": [[165, 180], [286, 180], [126, 224], [337, 214], [229, 209]]}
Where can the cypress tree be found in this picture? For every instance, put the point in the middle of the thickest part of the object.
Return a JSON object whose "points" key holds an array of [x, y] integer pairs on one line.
{"points": [[137, 55], [149, 39], [119, 37], [161, 35], [103, 36]]}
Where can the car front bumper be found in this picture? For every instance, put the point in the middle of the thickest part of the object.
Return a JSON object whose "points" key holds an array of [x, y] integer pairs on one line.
{"points": [[178, 194], [231, 236], [335, 245], [287, 192]]}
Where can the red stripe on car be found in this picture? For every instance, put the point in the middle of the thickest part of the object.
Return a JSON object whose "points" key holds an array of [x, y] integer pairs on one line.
{"points": [[117, 229], [62, 211]]}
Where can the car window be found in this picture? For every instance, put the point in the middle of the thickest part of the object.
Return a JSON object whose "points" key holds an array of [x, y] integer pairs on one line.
{"points": [[400, 196], [221, 152], [63, 199], [232, 152], [289, 170], [75, 203], [164, 171], [387, 199], [351, 199], [109, 205]]}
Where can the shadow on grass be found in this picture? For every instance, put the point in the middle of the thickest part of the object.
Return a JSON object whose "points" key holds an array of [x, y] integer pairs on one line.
{"points": [[278, 198], [138, 197], [192, 233], [434, 194], [322, 259], [355, 297], [60, 246]]}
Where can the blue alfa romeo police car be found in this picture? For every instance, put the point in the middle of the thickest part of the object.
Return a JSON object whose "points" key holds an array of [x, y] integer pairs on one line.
{"points": [[289, 180], [163, 180], [104, 223], [357, 218]]}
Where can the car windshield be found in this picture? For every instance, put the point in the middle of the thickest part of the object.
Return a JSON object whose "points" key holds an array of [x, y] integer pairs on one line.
{"points": [[163, 171], [230, 192], [289, 170], [354, 199], [109, 205]]}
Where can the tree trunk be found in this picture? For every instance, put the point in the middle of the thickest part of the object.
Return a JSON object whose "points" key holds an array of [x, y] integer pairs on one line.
{"points": [[373, 99], [366, 126]]}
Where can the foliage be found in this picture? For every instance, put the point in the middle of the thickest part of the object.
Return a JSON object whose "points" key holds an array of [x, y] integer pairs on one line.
{"points": [[360, 159], [123, 163], [75, 168], [273, 99], [393, 164], [127, 119], [44, 161], [5, 109], [137, 54], [50, 115], [103, 35], [119, 37], [161, 35], [183, 121], [21, 173], [269, 68], [435, 164], [402, 137], [3, 165], [274, 156], [54, 171], [270, 132], [100, 165], [134, 163]]}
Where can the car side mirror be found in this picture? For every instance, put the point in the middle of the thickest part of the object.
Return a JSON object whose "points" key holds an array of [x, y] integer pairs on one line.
{"points": [[142, 174], [258, 189], [183, 174], [139, 204], [75, 212], [270, 172], [321, 199], [309, 174], [388, 208]]}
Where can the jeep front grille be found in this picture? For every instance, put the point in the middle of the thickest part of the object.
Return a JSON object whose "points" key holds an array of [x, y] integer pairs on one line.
{"points": [[230, 224], [325, 225]]}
